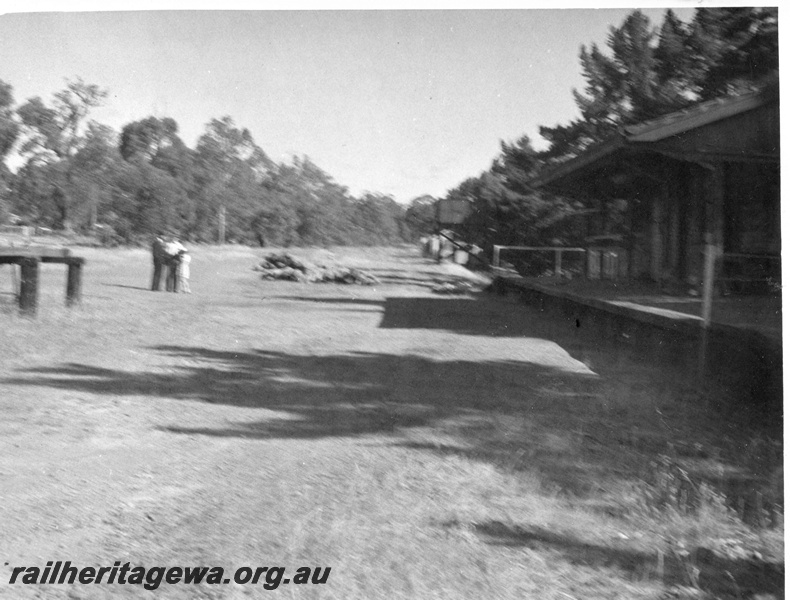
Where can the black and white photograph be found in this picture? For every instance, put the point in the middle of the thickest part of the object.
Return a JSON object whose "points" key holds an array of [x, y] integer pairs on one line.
{"points": [[418, 301]]}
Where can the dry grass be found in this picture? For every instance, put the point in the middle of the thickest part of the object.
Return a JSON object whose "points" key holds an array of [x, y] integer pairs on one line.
{"points": [[421, 447]]}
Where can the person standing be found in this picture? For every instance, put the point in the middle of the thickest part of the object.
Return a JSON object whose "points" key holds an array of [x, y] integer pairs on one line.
{"points": [[173, 251], [183, 272], [160, 261]]}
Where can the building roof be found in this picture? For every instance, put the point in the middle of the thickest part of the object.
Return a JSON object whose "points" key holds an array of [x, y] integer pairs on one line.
{"points": [[695, 116], [661, 128]]}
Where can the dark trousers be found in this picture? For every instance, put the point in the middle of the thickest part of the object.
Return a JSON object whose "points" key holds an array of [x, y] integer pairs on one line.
{"points": [[157, 281], [171, 282]]}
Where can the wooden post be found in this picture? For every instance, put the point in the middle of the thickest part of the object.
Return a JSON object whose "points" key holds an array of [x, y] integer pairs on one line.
{"points": [[708, 282], [601, 254], [28, 288], [673, 223], [558, 263], [714, 243], [717, 199], [655, 238], [496, 256], [585, 260], [630, 240], [14, 279], [74, 282]]}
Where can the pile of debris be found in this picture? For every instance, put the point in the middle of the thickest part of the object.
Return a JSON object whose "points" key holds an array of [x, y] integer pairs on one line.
{"points": [[287, 267]]}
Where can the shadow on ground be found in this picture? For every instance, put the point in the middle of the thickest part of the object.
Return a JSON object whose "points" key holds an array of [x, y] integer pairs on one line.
{"points": [[353, 394], [701, 569], [518, 415], [509, 413]]}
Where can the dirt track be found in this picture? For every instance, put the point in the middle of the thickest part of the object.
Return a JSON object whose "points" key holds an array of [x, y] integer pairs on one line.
{"points": [[269, 423]]}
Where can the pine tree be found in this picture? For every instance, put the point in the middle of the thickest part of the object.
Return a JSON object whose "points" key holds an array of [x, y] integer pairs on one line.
{"points": [[744, 45], [722, 51]]}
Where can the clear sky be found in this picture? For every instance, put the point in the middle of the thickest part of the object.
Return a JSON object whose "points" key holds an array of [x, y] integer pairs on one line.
{"points": [[405, 102]]}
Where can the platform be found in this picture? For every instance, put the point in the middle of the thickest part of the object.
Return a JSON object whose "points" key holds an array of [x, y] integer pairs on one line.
{"points": [[743, 348]]}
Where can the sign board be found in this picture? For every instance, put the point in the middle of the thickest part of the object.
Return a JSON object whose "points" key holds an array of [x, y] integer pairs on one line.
{"points": [[452, 212]]}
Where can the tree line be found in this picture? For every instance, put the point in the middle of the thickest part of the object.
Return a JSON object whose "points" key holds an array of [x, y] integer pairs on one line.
{"points": [[643, 73], [80, 175], [77, 173]]}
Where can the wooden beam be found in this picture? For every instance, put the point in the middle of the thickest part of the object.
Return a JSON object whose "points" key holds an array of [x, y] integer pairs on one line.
{"points": [[36, 252], [716, 157]]}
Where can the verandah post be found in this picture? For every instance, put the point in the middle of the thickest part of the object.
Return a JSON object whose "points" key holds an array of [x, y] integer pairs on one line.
{"points": [[714, 236]]}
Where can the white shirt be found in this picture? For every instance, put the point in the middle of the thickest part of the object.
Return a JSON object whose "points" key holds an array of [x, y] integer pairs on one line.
{"points": [[173, 248]]}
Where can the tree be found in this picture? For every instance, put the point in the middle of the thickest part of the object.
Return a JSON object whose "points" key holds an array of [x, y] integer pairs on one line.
{"points": [[620, 89], [321, 204], [678, 69], [276, 221], [33, 195], [743, 44], [420, 217], [230, 169], [376, 219], [143, 140], [44, 190], [9, 128], [53, 136], [156, 142], [517, 164], [9, 131], [506, 208], [722, 51], [498, 215], [146, 179], [56, 133], [93, 168], [164, 186]]}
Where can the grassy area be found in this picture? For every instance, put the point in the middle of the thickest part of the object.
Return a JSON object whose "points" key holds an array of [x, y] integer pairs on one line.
{"points": [[421, 446]]}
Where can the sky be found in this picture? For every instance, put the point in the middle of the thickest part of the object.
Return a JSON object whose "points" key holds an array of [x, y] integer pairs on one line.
{"points": [[404, 103]]}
